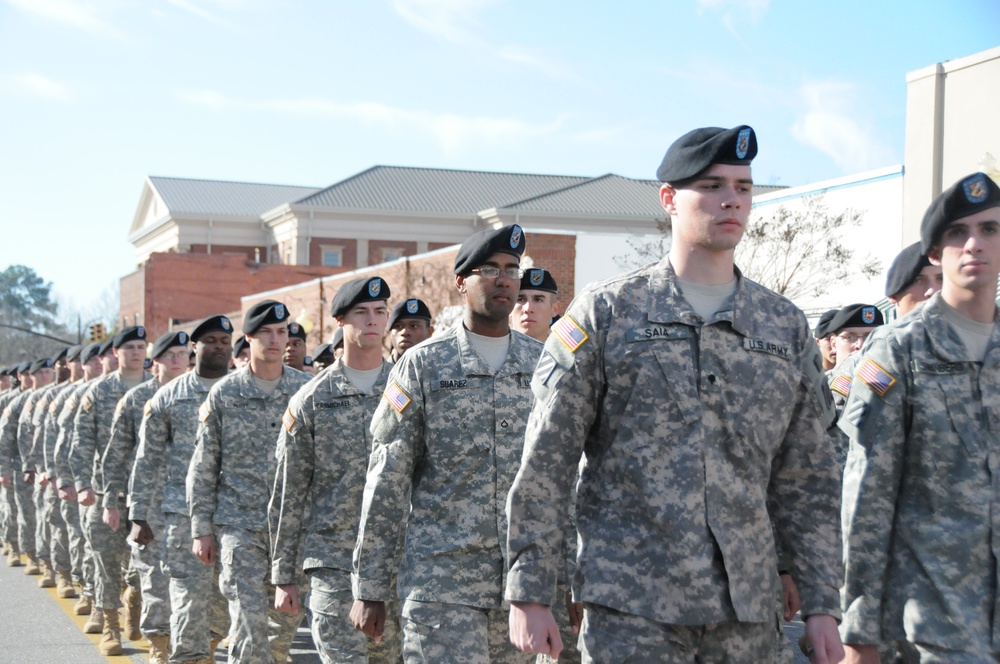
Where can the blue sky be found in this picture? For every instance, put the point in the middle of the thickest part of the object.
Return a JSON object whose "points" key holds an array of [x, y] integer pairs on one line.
{"points": [[98, 94]]}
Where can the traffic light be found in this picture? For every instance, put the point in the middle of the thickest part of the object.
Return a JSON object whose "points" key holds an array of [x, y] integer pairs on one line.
{"points": [[97, 333]]}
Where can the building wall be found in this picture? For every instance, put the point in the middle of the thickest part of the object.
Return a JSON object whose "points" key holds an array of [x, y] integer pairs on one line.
{"points": [[557, 254], [349, 256], [231, 249]]}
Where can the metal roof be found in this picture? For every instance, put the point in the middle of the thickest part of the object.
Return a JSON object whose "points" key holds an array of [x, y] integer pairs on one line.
{"points": [[217, 197], [435, 190]]}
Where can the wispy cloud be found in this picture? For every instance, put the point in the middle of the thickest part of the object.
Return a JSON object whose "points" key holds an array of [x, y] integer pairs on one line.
{"points": [[453, 132], [82, 14], [528, 57], [199, 11], [38, 85], [734, 13], [831, 121]]}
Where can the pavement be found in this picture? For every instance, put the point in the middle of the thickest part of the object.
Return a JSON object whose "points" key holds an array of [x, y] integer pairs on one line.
{"points": [[38, 627]]}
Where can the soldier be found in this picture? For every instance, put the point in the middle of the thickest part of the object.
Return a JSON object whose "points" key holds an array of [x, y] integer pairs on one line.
{"points": [[698, 400], [73, 512], [537, 304], [199, 617], [91, 433], [849, 329], [911, 279], [920, 497], [169, 356], [322, 457], [235, 448], [241, 353], [295, 351], [824, 341], [409, 325], [8, 508], [8, 480], [322, 356], [447, 443]]}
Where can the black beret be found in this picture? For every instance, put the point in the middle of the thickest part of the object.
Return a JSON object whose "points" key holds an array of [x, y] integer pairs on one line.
{"points": [[904, 269], [73, 354], [241, 345], [169, 340], [338, 339], [966, 197], [823, 326], [536, 278], [130, 333], [367, 289], [23, 367], [323, 353], [105, 347], [44, 363], [263, 313], [89, 352], [62, 354], [295, 330], [478, 248], [216, 323], [411, 308], [856, 315], [696, 150]]}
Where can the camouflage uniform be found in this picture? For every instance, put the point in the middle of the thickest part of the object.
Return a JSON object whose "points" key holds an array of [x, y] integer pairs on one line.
{"points": [[44, 422], [11, 463], [81, 553], [839, 379], [920, 495], [322, 457], [691, 431], [116, 462], [91, 433], [8, 507], [32, 462], [166, 443], [447, 444], [228, 488]]}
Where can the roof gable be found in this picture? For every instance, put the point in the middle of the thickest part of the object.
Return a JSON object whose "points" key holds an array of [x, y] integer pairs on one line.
{"points": [[230, 199]]}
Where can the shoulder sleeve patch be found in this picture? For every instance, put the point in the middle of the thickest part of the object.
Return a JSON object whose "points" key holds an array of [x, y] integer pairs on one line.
{"points": [[203, 411], [570, 333], [397, 398], [120, 406], [842, 385], [70, 405], [52, 408], [86, 404], [288, 420], [875, 377], [27, 407], [6, 411], [148, 408]]}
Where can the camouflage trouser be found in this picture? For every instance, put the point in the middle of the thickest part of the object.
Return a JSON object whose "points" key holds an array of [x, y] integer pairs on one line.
{"points": [[199, 613], [259, 632], [155, 617], [336, 639], [58, 536], [436, 633], [25, 515], [612, 636], [8, 516], [110, 551], [922, 653], [80, 553], [569, 654], [41, 521]]}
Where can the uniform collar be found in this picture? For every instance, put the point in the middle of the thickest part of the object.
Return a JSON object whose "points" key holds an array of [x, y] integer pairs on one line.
{"points": [[942, 337], [667, 304], [519, 355]]}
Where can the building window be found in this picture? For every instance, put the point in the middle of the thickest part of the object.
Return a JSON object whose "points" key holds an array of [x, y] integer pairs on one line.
{"points": [[332, 256], [392, 254]]}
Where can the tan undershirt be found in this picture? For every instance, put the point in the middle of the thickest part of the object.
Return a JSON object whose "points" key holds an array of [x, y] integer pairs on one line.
{"points": [[492, 349], [707, 300], [974, 335]]}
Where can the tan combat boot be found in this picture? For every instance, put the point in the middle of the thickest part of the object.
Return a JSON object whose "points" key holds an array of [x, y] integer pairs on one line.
{"points": [[64, 585], [131, 612], [48, 579], [111, 636], [32, 568], [82, 606], [159, 649], [95, 623], [14, 558]]}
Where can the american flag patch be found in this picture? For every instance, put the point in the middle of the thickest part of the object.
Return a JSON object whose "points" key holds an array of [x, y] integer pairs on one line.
{"points": [[397, 397], [571, 334], [203, 411], [86, 404], [148, 408], [875, 377], [842, 385], [288, 420]]}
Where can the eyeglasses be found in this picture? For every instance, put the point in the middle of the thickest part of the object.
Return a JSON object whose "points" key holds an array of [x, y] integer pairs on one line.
{"points": [[852, 339], [494, 272]]}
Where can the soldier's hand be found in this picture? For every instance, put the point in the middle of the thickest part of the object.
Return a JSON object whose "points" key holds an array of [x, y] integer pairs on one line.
{"points": [[369, 617], [286, 598], [112, 518], [141, 533], [43, 479], [861, 654], [68, 493], [86, 497], [534, 629], [824, 640], [204, 548], [790, 596], [29, 478], [575, 611], [4, 480]]}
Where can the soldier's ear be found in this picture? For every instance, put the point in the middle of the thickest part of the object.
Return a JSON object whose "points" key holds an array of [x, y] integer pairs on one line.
{"points": [[460, 283]]}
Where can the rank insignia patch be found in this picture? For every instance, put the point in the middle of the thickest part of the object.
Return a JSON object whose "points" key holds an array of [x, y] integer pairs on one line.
{"points": [[397, 397], [875, 377], [568, 332], [841, 385]]}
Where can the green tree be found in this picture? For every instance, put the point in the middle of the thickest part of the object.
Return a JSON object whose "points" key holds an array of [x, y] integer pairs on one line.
{"points": [[29, 328]]}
